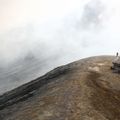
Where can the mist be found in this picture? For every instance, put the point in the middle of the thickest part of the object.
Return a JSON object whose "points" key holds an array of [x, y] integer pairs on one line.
{"points": [[41, 35]]}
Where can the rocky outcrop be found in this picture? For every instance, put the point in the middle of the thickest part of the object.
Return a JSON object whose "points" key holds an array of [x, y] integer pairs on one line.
{"points": [[83, 90]]}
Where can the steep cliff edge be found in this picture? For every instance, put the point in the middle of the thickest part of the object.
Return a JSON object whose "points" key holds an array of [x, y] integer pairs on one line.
{"points": [[83, 90]]}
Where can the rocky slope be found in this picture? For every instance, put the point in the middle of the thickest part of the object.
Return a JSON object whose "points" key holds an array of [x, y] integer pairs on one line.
{"points": [[83, 90]]}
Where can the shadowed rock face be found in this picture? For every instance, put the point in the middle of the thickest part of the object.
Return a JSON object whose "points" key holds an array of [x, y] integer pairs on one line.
{"points": [[83, 90]]}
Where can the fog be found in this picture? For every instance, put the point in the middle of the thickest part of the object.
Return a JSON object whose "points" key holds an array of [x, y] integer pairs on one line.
{"points": [[40, 35]]}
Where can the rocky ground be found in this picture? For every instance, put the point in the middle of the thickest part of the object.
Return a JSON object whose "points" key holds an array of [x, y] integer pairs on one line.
{"points": [[83, 90]]}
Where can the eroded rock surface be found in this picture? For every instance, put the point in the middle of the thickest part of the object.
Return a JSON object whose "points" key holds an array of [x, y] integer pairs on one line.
{"points": [[83, 90]]}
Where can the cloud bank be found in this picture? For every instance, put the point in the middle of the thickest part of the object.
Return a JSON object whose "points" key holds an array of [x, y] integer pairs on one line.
{"points": [[68, 31]]}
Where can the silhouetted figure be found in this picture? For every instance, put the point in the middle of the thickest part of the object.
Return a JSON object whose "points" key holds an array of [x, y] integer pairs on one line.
{"points": [[116, 64], [117, 54]]}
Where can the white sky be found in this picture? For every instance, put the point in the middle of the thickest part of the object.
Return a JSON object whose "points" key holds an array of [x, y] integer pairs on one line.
{"points": [[16, 12], [25, 23]]}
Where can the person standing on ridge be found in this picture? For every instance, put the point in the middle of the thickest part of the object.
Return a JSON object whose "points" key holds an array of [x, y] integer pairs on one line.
{"points": [[117, 54], [116, 64]]}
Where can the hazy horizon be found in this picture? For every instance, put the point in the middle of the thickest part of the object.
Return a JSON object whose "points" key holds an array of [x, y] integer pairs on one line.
{"points": [[56, 32]]}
